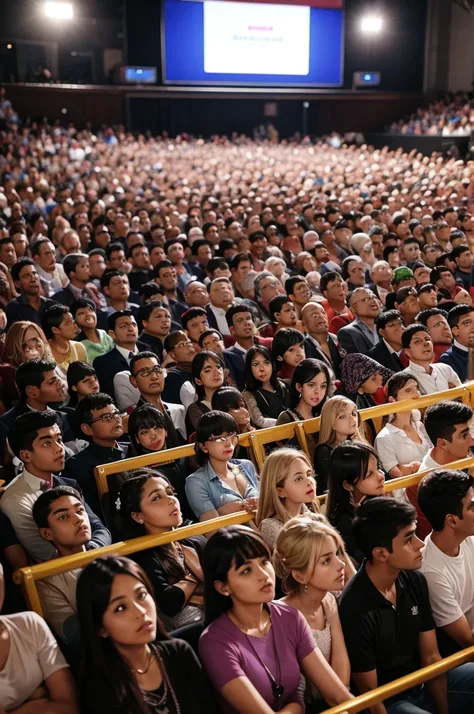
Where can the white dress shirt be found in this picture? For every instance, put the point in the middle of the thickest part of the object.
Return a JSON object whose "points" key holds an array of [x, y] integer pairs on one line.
{"points": [[442, 375], [394, 447], [219, 314]]}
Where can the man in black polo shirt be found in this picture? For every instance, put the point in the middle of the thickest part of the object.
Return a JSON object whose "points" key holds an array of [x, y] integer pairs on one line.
{"points": [[386, 615]]}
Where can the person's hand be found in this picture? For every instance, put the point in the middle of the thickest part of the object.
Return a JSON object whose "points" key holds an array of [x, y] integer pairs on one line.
{"points": [[250, 505], [40, 693]]}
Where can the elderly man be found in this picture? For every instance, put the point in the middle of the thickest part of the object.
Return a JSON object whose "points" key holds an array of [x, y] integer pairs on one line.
{"points": [[361, 335], [320, 343]]}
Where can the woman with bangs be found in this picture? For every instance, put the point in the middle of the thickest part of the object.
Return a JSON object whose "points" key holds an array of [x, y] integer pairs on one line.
{"points": [[147, 505], [310, 559], [207, 370], [130, 664], [223, 484], [354, 476], [25, 341], [311, 384], [340, 422], [266, 396], [287, 489], [254, 649]]}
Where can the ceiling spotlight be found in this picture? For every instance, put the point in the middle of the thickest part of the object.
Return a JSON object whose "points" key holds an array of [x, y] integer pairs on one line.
{"points": [[58, 10], [9, 46], [371, 23]]}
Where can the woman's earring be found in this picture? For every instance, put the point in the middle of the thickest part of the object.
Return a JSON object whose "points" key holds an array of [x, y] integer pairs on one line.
{"points": [[305, 589]]}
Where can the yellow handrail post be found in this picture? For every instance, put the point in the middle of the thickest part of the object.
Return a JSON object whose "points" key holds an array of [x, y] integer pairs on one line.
{"points": [[302, 440]]}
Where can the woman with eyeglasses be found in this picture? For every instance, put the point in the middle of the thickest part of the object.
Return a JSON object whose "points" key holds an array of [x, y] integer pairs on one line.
{"points": [[222, 485]]}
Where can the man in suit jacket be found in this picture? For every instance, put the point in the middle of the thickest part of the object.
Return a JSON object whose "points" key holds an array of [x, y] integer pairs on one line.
{"points": [[360, 335], [381, 274], [461, 322], [390, 329], [124, 331], [320, 343], [243, 329]]}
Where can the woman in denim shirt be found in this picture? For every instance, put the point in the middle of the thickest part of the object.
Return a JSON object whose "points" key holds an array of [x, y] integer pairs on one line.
{"points": [[222, 485]]}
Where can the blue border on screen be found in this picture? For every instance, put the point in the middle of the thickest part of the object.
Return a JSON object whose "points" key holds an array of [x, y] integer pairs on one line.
{"points": [[183, 50]]}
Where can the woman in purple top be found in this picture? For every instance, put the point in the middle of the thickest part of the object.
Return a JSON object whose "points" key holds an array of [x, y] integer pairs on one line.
{"points": [[253, 649]]}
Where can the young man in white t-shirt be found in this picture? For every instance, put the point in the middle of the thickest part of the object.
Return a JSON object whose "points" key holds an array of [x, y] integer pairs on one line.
{"points": [[447, 500]]}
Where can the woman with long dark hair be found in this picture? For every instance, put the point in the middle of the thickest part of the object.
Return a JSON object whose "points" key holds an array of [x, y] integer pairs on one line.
{"points": [[254, 649], [81, 381], [266, 396], [130, 664], [147, 505], [222, 485], [354, 475], [207, 371]]}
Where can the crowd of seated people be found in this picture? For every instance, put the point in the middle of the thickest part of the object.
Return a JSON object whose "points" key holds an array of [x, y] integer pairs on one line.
{"points": [[451, 115], [231, 290]]}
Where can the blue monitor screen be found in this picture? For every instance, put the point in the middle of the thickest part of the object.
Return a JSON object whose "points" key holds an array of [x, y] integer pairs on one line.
{"points": [[249, 43]]}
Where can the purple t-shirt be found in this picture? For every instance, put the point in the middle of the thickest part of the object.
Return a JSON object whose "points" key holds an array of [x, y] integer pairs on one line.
{"points": [[226, 654]]}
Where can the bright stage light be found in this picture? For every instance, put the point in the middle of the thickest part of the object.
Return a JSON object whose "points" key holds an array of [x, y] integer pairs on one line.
{"points": [[58, 10], [371, 24]]}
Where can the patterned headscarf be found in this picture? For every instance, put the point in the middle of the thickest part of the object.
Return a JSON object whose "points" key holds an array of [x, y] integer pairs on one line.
{"points": [[356, 368]]}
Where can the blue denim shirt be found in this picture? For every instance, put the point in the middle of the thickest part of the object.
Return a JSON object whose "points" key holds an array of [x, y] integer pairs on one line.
{"points": [[206, 492]]}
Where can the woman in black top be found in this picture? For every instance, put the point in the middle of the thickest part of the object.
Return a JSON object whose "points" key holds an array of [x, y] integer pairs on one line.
{"points": [[130, 664], [207, 371], [146, 505], [354, 476], [266, 396]]}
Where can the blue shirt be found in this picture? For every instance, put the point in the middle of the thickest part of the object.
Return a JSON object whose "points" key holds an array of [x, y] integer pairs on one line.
{"points": [[206, 492]]}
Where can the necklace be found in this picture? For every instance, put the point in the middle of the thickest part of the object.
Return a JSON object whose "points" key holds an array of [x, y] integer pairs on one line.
{"points": [[262, 630], [145, 670]]}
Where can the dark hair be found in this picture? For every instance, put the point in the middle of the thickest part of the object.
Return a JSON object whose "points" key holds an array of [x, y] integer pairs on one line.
{"points": [[227, 548], [172, 339], [36, 247], [132, 248], [435, 274], [384, 318], [240, 258], [100, 656], [389, 249], [251, 382], [92, 403], [52, 317], [199, 243], [459, 249], [76, 371], [440, 494], [284, 339], [107, 276], [457, 312], [191, 313], [146, 416], [18, 267], [81, 303], [226, 398], [42, 505], [161, 266], [235, 310], [24, 430], [149, 290], [114, 248], [206, 333], [71, 261], [31, 374], [197, 366], [144, 312], [304, 373], [212, 423], [112, 319], [346, 263], [397, 381], [141, 355], [378, 521], [423, 316], [410, 332], [441, 419], [275, 305], [291, 282], [349, 462]]}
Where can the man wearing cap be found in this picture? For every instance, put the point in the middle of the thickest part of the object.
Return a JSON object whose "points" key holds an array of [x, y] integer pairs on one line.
{"points": [[403, 278], [361, 335], [408, 304]]}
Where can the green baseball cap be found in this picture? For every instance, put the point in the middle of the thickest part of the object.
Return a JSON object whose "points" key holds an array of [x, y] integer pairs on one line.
{"points": [[402, 273]]}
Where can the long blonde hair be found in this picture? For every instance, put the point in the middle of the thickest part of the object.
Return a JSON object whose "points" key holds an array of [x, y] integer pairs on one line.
{"points": [[332, 410], [13, 349], [298, 547], [274, 472]]}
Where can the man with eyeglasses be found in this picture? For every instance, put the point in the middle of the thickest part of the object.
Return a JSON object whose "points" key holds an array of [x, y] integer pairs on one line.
{"points": [[179, 387], [147, 379], [361, 335], [101, 423]]}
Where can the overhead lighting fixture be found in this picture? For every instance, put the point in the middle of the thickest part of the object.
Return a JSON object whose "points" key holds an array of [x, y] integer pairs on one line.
{"points": [[58, 10], [371, 24]]}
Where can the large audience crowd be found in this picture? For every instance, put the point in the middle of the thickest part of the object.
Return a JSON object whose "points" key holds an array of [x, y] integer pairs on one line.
{"points": [[158, 292], [452, 115]]}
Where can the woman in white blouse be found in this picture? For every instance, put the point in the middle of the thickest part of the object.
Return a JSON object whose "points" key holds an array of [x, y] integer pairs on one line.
{"points": [[402, 444]]}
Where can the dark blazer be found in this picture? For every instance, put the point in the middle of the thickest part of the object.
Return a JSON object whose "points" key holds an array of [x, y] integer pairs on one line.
{"points": [[313, 350], [457, 359], [235, 362], [20, 309], [352, 339], [110, 364], [66, 297], [381, 355]]}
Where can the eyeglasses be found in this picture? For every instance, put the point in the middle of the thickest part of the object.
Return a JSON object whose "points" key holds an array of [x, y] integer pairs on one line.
{"points": [[108, 417], [369, 298], [231, 438], [148, 371]]}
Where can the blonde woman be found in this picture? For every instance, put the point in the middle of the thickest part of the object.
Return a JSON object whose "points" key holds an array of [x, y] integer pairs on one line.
{"points": [[339, 422], [310, 559], [25, 341], [287, 489]]}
